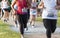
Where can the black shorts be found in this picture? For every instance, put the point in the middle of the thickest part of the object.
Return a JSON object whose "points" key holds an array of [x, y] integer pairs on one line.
{"points": [[39, 10], [7, 9]]}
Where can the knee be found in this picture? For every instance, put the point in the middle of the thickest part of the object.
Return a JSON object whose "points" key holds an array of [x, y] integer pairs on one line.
{"points": [[53, 30]]}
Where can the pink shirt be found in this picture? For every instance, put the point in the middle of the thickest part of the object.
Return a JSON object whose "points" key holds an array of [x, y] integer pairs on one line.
{"points": [[21, 4]]}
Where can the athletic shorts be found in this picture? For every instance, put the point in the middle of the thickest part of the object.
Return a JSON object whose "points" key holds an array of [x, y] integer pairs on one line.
{"points": [[33, 12], [7, 9]]}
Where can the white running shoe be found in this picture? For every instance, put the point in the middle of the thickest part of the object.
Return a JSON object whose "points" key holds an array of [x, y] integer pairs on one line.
{"points": [[25, 29], [32, 26]]}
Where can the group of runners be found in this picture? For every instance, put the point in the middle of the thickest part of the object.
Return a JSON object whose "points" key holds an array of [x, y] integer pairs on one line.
{"points": [[25, 11]]}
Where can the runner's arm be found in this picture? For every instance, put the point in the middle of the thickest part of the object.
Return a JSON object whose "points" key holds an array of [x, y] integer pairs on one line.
{"points": [[12, 6], [13, 3], [41, 5], [58, 4]]}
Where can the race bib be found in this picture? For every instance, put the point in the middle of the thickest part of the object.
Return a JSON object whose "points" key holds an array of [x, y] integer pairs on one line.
{"points": [[24, 10], [50, 13], [33, 10]]}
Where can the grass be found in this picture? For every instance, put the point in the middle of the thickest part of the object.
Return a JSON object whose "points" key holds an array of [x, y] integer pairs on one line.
{"points": [[39, 19], [58, 22], [59, 13], [5, 31]]}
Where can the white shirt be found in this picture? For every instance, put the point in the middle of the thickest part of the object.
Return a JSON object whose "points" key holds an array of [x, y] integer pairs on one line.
{"points": [[33, 11], [15, 6], [4, 4], [34, 4], [49, 9]]}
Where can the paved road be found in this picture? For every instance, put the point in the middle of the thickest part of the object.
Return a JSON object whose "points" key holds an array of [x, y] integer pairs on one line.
{"points": [[38, 28], [37, 32]]}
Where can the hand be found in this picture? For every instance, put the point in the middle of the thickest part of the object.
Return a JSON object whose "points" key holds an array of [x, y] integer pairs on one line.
{"points": [[57, 7], [41, 7], [14, 12]]}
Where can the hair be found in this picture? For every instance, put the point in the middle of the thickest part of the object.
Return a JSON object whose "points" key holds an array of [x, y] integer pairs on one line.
{"points": [[34, 0], [58, 2]]}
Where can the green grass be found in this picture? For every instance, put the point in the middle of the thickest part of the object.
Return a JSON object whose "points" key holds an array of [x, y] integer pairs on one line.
{"points": [[39, 19], [58, 22], [5, 31], [58, 13]]}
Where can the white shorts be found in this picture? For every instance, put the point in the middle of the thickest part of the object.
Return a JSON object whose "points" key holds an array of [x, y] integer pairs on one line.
{"points": [[33, 12]]}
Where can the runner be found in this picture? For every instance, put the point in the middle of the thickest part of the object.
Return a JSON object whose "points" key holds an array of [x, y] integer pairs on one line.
{"points": [[6, 9], [15, 15], [21, 14], [33, 12], [39, 9], [49, 15]]}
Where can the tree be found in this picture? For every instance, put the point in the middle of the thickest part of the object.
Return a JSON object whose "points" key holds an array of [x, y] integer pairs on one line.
{"points": [[10, 1], [0, 0]]}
